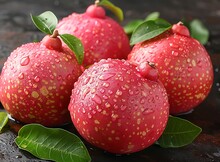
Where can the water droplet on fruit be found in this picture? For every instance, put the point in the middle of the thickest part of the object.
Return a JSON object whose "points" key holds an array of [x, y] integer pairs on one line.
{"points": [[102, 90], [25, 61], [142, 101], [130, 92], [174, 53], [69, 77], [123, 107], [21, 76], [106, 84], [199, 63], [36, 79], [89, 116], [148, 111], [57, 60], [106, 76], [96, 99], [189, 69], [174, 45]]}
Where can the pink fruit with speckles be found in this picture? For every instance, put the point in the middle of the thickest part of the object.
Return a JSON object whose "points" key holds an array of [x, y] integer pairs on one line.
{"points": [[101, 36], [36, 82], [117, 109], [184, 66]]}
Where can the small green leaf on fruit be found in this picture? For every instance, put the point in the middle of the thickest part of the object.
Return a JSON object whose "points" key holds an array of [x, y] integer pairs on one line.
{"points": [[178, 133], [130, 27], [199, 31], [45, 22], [3, 120], [52, 144], [149, 29], [75, 45], [152, 16], [114, 9]]}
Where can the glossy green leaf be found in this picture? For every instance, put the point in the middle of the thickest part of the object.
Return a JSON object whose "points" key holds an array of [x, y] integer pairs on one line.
{"points": [[114, 9], [75, 45], [199, 31], [148, 30], [152, 16], [45, 22], [130, 27], [3, 120], [179, 132], [52, 144]]}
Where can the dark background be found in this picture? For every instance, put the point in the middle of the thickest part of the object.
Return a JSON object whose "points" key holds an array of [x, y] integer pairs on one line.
{"points": [[16, 28]]}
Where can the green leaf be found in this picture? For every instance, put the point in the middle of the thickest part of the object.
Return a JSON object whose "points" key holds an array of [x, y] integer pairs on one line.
{"points": [[199, 31], [114, 9], [152, 16], [130, 27], [3, 120], [52, 144], [179, 132], [45, 22], [148, 30], [75, 45]]}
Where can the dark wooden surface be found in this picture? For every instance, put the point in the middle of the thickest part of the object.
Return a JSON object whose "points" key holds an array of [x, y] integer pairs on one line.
{"points": [[16, 28]]}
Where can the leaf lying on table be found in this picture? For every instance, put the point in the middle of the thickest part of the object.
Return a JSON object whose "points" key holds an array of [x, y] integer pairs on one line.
{"points": [[52, 144], [3, 120], [179, 132]]}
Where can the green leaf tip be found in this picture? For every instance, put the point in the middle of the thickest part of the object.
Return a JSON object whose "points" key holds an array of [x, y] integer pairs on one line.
{"points": [[114, 9], [54, 144], [3, 120], [149, 29], [45, 22], [178, 133], [75, 45]]}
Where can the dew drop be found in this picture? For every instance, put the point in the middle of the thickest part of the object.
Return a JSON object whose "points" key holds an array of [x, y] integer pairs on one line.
{"points": [[36, 79], [106, 84], [189, 69], [89, 116], [96, 99], [123, 107], [142, 101], [21, 76], [106, 76], [69, 77], [57, 60], [102, 90], [148, 111], [25, 61], [174, 53], [86, 80]]}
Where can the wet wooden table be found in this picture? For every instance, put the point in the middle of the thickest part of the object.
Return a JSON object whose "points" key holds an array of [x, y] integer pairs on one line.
{"points": [[16, 28]]}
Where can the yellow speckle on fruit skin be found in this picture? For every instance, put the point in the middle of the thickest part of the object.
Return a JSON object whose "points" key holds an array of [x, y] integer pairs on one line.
{"points": [[44, 91], [34, 94]]}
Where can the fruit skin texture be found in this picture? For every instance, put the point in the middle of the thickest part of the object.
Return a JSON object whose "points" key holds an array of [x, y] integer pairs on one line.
{"points": [[184, 67], [113, 107], [36, 84], [101, 36]]}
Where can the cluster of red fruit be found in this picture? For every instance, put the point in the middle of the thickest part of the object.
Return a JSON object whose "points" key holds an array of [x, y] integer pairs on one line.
{"points": [[116, 104]]}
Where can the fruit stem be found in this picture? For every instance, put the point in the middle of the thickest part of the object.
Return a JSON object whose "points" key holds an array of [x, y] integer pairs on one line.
{"points": [[55, 34], [97, 2], [151, 64]]}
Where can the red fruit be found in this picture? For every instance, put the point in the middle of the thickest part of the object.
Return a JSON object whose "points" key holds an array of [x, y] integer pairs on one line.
{"points": [[113, 107], [183, 64], [101, 36], [36, 82]]}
